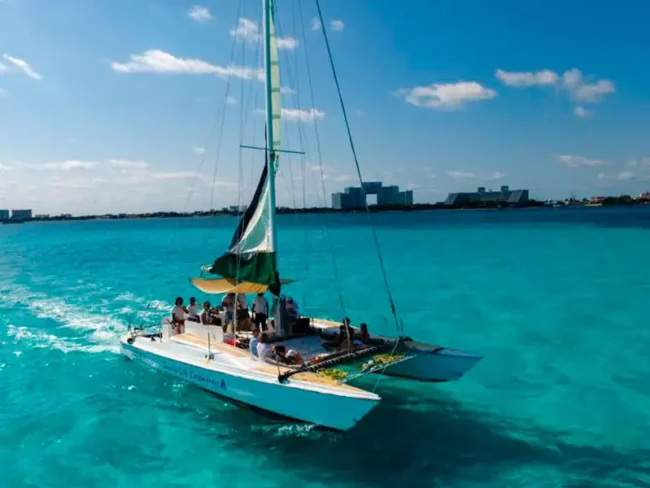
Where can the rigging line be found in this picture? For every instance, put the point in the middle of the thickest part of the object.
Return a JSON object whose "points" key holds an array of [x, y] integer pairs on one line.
{"points": [[356, 163], [221, 112], [320, 165], [223, 117]]}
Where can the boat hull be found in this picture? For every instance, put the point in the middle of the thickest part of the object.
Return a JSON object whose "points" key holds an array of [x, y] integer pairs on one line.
{"points": [[437, 365], [426, 362], [261, 391]]}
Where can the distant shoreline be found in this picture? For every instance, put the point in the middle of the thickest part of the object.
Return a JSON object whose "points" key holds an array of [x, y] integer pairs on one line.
{"points": [[610, 201]]}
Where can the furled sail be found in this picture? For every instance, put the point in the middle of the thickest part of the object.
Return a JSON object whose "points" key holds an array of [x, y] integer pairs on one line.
{"points": [[274, 79]]}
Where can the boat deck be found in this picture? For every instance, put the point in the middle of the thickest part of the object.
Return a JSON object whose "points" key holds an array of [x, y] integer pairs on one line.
{"points": [[237, 353]]}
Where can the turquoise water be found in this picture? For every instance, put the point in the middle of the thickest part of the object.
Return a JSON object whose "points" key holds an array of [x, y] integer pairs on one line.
{"points": [[556, 299]]}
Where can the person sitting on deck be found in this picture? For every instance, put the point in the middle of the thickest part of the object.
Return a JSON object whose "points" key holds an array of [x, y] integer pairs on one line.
{"points": [[263, 347], [178, 316], [192, 311], [252, 344], [344, 339], [281, 355], [208, 316], [364, 337]]}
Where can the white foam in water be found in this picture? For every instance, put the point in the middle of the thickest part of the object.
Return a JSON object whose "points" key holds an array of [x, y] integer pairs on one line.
{"points": [[41, 339], [104, 329]]}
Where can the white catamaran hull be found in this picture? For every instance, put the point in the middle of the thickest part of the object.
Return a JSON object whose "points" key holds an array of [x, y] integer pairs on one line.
{"points": [[424, 363], [437, 365], [338, 408]]}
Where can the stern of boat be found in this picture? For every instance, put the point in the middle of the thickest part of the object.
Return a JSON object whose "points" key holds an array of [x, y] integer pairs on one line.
{"points": [[434, 364]]}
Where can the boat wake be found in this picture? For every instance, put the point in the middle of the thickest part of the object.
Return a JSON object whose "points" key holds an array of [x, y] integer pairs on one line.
{"points": [[40, 339], [97, 330]]}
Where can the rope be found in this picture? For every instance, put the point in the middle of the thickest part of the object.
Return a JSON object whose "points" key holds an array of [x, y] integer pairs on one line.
{"points": [[356, 162], [335, 267]]}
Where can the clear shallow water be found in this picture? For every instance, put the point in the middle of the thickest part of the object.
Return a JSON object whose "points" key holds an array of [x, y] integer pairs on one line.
{"points": [[556, 300]]}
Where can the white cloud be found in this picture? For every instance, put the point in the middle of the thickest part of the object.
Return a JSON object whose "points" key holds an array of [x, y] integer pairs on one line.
{"points": [[156, 61], [579, 161], [294, 114], [447, 95], [572, 82], [198, 150], [582, 112], [287, 43], [199, 13], [286, 90], [460, 175], [246, 29], [465, 175], [3, 68], [129, 164], [522, 79], [594, 92], [3, 92], [315, 24], [23, 66], [581, 90], [69, 165], [176, 175], [625, 175], [231, 100], [336, 25]]}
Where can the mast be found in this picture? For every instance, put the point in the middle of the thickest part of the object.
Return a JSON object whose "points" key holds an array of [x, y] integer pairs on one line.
{"points": [[271, 160]]}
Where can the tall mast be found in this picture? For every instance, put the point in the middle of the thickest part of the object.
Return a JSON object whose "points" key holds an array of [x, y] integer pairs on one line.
{"points": [[271, 160]]}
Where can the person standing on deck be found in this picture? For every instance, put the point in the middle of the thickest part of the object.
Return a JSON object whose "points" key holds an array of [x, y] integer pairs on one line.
{"points": [[178, 316], [228, 305], [193, 311], [260, 311]]}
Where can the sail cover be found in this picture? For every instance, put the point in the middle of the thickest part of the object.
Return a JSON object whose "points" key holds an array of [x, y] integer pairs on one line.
{"points": [[274, 80]]}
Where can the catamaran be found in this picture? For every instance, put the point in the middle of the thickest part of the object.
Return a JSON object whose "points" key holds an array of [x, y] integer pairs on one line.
{"points": [[317, 390]]}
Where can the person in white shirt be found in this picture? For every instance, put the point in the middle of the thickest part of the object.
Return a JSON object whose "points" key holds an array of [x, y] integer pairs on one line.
{"points": [[228, 305], [178, 316], [263, 347], [252, 345], [193, 311], [260, 311]]}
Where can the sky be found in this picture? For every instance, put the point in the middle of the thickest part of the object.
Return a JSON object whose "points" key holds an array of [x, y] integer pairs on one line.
{"points": [[141, 105]]}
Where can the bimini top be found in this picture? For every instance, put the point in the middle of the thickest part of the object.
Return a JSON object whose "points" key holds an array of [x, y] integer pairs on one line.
{"points": [[226, 285]]}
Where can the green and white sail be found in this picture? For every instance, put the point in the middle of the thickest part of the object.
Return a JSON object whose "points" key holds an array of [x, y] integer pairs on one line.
{"points": [[251, 256]]}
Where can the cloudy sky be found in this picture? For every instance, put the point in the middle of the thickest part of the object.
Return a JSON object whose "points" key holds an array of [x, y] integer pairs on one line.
{"points": [[141, 105]]}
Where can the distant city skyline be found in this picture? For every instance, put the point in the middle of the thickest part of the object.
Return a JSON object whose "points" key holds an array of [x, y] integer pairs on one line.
{"points": [[105, 112]]}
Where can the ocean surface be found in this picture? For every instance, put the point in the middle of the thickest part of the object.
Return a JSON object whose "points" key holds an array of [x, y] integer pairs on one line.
{"points": [[557, 300]]}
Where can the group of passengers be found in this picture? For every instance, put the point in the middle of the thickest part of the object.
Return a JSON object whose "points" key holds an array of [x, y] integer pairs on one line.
{"points": [[259, 344], [224, 315], [347, 338], [260, 348]]}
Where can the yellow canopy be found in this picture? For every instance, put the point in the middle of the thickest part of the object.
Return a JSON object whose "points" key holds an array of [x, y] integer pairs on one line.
{"points": [[225, 285]]}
